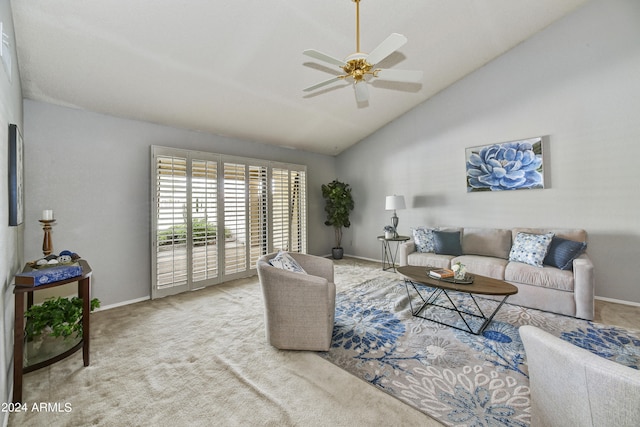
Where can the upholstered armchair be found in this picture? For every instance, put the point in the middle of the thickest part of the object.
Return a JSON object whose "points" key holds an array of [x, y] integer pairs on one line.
{"points": [[571, 386], [299, 307]]}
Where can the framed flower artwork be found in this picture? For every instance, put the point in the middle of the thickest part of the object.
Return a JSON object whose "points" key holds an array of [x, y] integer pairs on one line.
{"points": [[513, 165]]}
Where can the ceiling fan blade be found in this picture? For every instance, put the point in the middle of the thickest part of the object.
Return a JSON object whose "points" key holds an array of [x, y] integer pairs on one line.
{"points": [[324, 57], [409, 76], [321, 84], [386, 48], [362, 91]]}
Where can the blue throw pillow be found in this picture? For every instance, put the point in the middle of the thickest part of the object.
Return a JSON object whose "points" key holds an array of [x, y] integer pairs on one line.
{"points": [[423, 238], [562, 252], [530, 248], [447, 242]]}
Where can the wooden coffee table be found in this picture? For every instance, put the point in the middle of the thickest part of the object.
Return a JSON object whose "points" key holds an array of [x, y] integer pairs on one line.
{"points": [[481, 286]]}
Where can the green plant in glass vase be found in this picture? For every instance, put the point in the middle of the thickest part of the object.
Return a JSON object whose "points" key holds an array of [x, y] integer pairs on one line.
{"points": [[56, 317], [338, 205]]}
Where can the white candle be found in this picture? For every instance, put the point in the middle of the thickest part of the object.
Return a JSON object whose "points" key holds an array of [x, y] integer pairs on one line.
{"points": [[47, 214]]}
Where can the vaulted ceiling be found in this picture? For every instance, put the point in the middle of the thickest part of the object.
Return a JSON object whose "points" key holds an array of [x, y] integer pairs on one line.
{"points": [[236, 67]]}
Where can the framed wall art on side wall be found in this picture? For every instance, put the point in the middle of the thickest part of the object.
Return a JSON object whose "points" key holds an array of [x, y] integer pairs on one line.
{"points": [[16, 176], [513, 165]]}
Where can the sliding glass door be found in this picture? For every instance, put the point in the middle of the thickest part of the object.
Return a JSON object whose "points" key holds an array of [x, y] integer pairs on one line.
{"points": [[213, 216]]}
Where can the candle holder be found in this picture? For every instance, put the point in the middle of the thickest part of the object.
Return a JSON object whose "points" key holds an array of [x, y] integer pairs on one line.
{"points": [[47, 243]]}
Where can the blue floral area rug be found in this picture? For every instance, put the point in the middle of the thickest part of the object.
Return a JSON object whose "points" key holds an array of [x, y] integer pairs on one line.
{"points": [[453, 376]]}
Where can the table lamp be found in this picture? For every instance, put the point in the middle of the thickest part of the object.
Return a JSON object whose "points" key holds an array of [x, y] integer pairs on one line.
{"points": [[392, 203]]}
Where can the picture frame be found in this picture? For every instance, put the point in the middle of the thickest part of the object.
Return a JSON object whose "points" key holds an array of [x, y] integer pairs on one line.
{"points": [[16, 176], [512, 165]]}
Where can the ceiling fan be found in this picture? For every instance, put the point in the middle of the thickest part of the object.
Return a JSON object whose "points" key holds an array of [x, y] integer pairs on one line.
{"points": [[359, 66]]}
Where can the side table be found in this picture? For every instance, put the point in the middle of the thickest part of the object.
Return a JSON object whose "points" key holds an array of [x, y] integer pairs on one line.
{"points": [[84, 292], [389, 256]]}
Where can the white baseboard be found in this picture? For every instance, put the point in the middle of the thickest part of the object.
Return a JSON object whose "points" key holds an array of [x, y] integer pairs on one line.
{"points": [[618, 301], [119, 304], [364, 258]]}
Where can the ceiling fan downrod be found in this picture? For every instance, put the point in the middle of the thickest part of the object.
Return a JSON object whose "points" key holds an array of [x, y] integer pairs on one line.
{"points": [[357, 2], [356, 65]]}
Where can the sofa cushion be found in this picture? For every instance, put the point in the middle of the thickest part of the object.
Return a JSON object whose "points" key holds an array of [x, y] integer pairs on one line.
{"points": [[423, 238], [562, 252], [548, 277], [530, 248], [493, 242], [447, 242], [485, 266], [286, 262], [429, 260]]}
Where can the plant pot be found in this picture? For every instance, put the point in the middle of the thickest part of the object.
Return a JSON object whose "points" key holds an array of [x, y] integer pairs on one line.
{"points": [[337, 253], [44, 347], [388, 234]]}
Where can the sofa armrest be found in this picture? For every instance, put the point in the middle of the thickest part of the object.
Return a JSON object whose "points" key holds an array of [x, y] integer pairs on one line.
{"points": [[584, 287], [405, 249]]}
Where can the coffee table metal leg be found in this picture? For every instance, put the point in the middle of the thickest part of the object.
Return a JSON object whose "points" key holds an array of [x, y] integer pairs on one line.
{"points": [[486, 323], [430, 301], [425, 302]]}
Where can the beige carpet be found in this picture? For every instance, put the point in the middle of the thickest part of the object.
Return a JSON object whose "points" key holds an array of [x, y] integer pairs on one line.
{"points": [[200, 359]]}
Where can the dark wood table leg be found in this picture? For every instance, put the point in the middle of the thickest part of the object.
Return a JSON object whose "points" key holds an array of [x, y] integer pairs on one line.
{"points": [[84, 293], [18, 347]]}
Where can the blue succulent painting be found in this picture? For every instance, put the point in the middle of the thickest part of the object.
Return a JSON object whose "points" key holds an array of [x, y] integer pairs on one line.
{"points": [[511, 165]]}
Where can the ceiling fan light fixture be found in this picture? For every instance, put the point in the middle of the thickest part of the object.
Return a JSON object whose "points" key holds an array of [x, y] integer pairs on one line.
{"points": [[357, 67]]}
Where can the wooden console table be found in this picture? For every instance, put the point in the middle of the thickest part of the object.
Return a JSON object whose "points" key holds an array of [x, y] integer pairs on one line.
{"points": [[84, 292]]}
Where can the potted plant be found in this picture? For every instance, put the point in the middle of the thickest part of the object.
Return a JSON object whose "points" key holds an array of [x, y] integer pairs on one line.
{"points": [[338, 205], [55, 318], [389, 232]]}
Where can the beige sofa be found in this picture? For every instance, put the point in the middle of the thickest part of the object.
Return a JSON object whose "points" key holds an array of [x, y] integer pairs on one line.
{"points": [[485, 251], [571, 386]]}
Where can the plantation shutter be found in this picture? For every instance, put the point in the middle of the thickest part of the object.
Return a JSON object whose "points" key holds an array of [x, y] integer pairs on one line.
{"points": [[235, 217], [298, 211], [258, 213], [170, 215], [280, 203], [289, 194], [204, 218], [214, 216]]}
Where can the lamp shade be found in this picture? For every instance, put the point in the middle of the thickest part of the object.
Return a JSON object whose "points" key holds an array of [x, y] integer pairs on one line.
{"points": [[394, 202]]}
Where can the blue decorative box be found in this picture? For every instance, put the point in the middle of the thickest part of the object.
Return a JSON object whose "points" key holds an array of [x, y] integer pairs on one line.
{"points": [[48, 275]]}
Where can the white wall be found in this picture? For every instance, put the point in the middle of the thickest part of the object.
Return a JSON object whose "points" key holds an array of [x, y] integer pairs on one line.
{"points": [[11, 238], [578, 82], [93, 171]]}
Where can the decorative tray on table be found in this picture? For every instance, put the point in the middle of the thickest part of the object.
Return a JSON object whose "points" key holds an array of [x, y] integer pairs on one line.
{"points": [[468, 278]]}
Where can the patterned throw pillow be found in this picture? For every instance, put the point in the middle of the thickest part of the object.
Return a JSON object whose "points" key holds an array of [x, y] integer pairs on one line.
{"points": [[562, 252], [286, 262], [423, 238], [530, 248]]}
